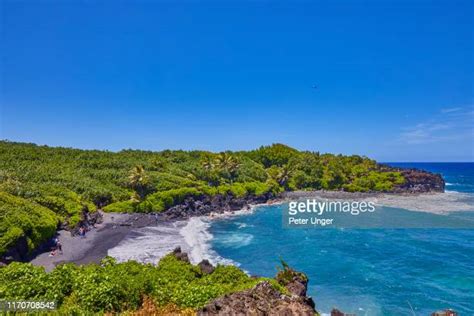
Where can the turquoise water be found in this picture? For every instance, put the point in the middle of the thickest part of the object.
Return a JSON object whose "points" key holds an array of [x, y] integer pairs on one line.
{"points": [[364, 271]]}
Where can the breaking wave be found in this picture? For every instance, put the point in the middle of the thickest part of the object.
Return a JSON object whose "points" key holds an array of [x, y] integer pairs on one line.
{"points": [[198, 239], [150, 244]]}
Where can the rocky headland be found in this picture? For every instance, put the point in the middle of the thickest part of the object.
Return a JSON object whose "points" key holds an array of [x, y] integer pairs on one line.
{"points": [[416, 182], [419, 181], [263, 298]]}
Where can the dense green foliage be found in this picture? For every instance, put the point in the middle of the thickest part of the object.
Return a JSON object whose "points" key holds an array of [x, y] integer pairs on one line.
{"points": [[66, 181], [117, 287], [20, 218], [286, 274]]}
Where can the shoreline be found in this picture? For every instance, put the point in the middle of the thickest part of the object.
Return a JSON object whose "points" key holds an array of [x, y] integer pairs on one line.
{"points": [[191, 235], [94, 247], [115, 227]]}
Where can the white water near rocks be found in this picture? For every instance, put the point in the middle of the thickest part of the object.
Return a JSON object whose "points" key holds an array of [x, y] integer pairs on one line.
{"points": [[150, 244]]}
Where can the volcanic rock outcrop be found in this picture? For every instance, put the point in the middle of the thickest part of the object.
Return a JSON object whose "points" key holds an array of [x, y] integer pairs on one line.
{"points": [[265, 299]]}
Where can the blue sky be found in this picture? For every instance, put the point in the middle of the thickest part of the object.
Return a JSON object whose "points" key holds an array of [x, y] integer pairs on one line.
{"points": [[395, 78]]}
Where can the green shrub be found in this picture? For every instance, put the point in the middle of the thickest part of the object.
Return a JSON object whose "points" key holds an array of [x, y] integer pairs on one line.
{"points": [[160, 201], [257, 188], [23, 281], [117, 287], [286, 274], [375, 181], [238, 190], [22, 218]]}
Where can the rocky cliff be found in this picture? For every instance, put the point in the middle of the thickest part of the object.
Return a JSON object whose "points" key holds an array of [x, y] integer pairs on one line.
{"points": [[420, 181], [263, 298], [206, 205]]}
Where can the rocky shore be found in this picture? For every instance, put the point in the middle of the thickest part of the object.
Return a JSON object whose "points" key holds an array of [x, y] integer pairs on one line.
{"points": [[419, 181], [262, 299], [205, 205]]}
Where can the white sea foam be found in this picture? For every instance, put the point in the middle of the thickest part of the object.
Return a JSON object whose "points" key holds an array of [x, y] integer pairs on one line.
{"points": [[243, 225], [198, 242], [236, 240], [437, 203], [460, 184], [150, 244]]}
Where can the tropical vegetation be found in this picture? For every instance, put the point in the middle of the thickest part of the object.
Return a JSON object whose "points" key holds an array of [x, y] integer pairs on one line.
{"points": [[43, 186], [172, 285]]}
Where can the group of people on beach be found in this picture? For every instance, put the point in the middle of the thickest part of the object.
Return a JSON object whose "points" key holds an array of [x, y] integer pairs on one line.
{"points": [[57, 247]]}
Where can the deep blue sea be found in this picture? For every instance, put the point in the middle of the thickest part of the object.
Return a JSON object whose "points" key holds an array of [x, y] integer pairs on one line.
{"points": [[365, 271]]}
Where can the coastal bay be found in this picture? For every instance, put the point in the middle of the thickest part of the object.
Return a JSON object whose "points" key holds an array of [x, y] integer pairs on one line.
{"points": [[122, 232], [229, 223]]}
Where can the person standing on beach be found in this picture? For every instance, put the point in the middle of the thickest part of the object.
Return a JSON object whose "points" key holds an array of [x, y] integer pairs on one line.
{"points": [[82, 232], [55, 247], [59, 246]]}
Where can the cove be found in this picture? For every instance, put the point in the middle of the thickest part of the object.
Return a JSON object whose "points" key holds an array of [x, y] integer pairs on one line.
{"points": [[367, 272]]}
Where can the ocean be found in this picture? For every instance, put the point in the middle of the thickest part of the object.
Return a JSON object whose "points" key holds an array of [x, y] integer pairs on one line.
{"points": [[409, 271], [364, 271]]}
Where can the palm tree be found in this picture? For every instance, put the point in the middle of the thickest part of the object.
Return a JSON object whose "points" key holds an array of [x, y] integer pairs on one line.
{"points": [[227, 164], [207, 163], [138, 180], [280, 174]]}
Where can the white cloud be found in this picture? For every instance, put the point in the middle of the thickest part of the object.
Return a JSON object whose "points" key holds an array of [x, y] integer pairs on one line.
{"points": [[448, 125], [450, 110]]}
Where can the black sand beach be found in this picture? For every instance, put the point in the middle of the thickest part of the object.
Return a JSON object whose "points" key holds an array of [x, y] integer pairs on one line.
{"points": [[93, 248]]}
